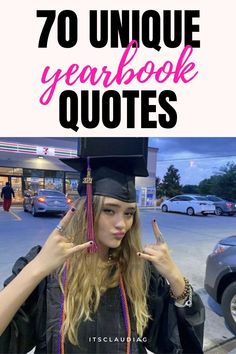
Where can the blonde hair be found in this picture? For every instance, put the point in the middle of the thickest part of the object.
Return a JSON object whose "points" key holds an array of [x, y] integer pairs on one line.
{"points": [[88, 278]]}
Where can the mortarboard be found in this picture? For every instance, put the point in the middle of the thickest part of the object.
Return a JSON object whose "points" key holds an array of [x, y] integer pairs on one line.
{"points": [[114, 163], [108, 167]]}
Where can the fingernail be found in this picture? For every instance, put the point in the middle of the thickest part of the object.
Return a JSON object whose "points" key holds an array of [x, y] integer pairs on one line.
{"points": [[72, 209], [91, 242], [154, 220], [139, 254]]}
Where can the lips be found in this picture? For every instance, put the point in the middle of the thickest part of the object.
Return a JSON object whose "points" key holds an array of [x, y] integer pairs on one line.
{"points": [[119, 235]]}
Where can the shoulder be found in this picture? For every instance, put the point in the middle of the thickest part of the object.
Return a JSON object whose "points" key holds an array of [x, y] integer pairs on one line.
{"points": [[157, 285], [21, 262]]}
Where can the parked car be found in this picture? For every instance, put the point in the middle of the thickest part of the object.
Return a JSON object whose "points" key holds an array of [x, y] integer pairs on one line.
{"points": [[222, 206], [220, 278], [189, 204], [72, 196], [46, 201]]}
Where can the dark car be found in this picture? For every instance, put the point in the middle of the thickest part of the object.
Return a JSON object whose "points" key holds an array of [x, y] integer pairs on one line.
{"points": [[222, 206], [46, 201], [220, 278]]}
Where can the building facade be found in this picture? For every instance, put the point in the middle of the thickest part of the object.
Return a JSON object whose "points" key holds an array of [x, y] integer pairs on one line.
{"points": [[33, 163]]}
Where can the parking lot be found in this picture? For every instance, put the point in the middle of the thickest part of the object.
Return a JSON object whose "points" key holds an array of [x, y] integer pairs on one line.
{"points": [[190, 238]]}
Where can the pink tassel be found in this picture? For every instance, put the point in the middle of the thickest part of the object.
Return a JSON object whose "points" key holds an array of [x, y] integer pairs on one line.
{"points": [[90, 226]]}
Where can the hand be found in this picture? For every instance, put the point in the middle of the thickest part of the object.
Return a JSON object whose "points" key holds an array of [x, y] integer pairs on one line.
{"points": [[57, 248], [159, 254]]}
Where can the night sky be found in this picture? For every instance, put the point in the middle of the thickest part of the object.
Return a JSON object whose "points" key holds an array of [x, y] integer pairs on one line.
{"points": [[196, 158]]}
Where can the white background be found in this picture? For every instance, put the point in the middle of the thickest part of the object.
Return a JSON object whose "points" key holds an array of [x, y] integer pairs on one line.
{"points": [[205, 107]]}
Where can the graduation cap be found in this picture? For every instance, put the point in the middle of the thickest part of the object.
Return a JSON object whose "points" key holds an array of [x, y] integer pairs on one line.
{"points": [[108, 167], [114, 163]]}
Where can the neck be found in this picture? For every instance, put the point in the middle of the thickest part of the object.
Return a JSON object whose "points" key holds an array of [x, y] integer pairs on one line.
{"points": [[103, 253]]}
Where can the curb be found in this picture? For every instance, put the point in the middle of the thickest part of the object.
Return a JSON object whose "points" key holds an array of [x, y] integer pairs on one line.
{"points": [[148, 208], [227, 345]]}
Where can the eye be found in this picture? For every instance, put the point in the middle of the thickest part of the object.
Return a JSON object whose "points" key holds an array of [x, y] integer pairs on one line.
{"points": [[108, 211], [130, 214]]}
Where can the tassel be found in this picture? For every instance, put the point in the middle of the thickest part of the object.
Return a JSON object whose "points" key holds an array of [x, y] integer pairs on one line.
{"points": [[89, 191], [61, 344], [125, 311]]}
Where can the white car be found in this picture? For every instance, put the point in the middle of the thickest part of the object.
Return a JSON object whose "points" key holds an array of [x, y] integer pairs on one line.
{"points": [[189, 204]]}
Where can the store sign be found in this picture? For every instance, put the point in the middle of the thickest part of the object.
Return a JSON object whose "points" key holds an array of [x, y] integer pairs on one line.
{"points": [[45, 151], [36, 150]]}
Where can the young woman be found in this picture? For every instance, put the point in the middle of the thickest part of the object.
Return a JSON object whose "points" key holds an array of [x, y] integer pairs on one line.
{"points": [[105, 295]]}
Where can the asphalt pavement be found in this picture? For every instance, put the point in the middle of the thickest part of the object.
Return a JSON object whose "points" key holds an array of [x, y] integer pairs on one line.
{"points": [[190, 239]]}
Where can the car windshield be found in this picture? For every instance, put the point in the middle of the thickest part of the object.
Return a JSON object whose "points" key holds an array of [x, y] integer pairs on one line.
{"points": [[51, 193], [215, 199]]}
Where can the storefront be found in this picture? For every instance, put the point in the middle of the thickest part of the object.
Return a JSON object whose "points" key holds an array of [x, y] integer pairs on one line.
{"points": [[15, 178], [30, 167], [22, 179]]}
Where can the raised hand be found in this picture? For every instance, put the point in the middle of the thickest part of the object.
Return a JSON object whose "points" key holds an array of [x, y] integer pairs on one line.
{"points": [[159, 254], [57, 248]]}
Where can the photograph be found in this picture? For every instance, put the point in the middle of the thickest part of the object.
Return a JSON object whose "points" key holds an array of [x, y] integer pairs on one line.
{"points": [[117, 177], [153, 219]]}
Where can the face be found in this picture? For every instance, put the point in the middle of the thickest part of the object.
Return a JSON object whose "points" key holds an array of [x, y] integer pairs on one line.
{"points": [[115, 220]]}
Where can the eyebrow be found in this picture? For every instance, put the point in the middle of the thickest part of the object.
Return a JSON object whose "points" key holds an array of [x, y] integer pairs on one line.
{"points": [[117, 206]]}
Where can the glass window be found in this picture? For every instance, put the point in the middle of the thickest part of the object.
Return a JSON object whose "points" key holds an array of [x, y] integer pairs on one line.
{"points": [[73, 175], [58, 183], [54, 174], [17, 171], [151, 195], [54, 183], [51, 193], [6, 170], [186, 199], [214, 199], [71, 185], [200, 198], [143, 196], [72, 188], [3, 181], [11, 171], [32, 184], [16, 183], [33, 173], [138, 195], [49, 183]]}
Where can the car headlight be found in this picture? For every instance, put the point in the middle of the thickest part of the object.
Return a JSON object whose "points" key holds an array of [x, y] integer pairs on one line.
{"points": [[41, 199], [219, 248]]}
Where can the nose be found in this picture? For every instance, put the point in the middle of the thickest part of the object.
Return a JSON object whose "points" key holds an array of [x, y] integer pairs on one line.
{"points": [[120, 222]]}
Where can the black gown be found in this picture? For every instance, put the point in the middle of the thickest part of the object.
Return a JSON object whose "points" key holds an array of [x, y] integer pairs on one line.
{"points": [[170, 329]]}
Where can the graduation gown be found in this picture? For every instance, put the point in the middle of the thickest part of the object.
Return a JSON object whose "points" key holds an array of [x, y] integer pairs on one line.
{"points": [[170, 329]]}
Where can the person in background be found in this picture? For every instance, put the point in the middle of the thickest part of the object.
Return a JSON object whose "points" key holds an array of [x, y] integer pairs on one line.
{"points": [[7, 194], [93, 288]]}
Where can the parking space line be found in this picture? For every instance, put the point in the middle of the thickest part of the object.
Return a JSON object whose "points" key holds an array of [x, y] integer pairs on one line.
{"points": [[15, 215]]}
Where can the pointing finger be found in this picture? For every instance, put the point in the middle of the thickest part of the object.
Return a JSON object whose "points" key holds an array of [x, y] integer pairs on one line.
{"points": [[145, 256], [157, 232], [66, 219], [81, 247]]}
